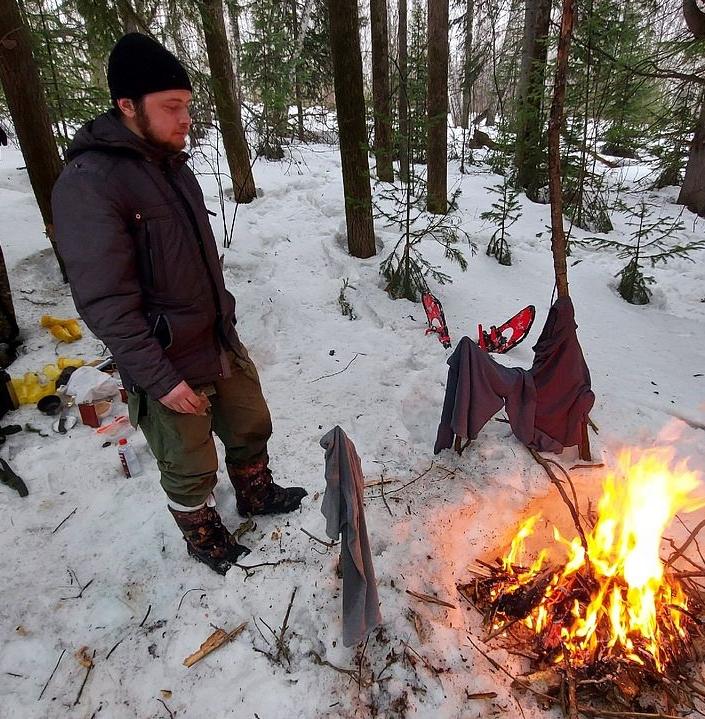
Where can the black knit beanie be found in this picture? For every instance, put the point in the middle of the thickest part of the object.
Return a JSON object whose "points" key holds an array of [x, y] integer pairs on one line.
{"points": [[139, 65]]}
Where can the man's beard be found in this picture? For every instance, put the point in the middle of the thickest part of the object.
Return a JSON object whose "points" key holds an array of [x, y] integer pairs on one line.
{"points": [[145, 128]]}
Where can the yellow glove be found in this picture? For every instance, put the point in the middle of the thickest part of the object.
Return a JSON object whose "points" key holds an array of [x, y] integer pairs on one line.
{"points": [[61, 333], [64, 330]]}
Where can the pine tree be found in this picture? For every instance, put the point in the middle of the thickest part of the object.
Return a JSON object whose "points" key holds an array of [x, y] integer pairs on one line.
{"points": [[267, 71]]}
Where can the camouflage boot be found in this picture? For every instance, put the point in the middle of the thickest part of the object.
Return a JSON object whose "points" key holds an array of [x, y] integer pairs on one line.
{"points": [[207, 539], [257, 493]]}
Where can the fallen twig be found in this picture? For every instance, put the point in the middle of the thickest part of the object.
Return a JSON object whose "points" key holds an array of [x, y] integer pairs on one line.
{"points": [[149, 609], [247, 568], [572, 508], [376, 482], [281, 644], [430, 599], [115, 646], [520, 683], [61, 656], [384, 499], [91, 664], [320, 541], [325, 663], [326, 376], [83, 587], [171, 713], [215, 640], [58, 526], [181, 601]]}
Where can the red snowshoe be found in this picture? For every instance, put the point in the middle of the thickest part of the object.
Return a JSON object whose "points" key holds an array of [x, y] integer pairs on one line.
{"points": [[436, 318], [510, 334]]}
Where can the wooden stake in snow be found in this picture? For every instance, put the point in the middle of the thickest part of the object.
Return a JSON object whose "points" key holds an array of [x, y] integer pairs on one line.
{"points": [[217, 639]]}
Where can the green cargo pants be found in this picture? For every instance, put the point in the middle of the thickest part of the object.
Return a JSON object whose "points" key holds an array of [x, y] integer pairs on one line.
{"points": [[183, 443]]}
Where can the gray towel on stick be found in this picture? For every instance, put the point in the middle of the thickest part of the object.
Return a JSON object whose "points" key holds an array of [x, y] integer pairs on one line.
{"points": [[344, 512]]}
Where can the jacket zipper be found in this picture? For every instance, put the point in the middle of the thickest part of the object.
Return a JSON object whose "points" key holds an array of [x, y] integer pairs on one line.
{"points": [[150, 256], [218, 333]]}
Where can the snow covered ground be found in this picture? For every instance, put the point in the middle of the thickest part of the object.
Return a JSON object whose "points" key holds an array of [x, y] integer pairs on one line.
{"points": [[145, 606]]}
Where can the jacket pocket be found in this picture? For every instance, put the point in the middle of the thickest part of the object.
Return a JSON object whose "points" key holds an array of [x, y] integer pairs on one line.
{"points": [[163, 332]]}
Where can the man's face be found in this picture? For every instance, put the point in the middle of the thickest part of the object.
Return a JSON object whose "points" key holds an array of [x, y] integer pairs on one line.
{"points": [[162, 118]]}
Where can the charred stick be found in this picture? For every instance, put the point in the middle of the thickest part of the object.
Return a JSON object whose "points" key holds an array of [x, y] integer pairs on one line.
{"points": [[572, 695]]}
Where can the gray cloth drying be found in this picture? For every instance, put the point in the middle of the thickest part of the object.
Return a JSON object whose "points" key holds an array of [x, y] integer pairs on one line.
{"points": [[344, 512]]}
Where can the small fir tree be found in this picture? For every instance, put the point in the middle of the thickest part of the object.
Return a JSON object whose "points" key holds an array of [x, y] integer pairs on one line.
{"points": [[653, 240], [504, 212]]}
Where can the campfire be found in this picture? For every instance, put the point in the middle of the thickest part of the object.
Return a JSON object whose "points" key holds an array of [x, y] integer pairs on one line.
{"points": [[605, 609]]}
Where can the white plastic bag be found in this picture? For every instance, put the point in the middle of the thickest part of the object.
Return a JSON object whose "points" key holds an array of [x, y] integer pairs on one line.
{"points": [[88, 384]]}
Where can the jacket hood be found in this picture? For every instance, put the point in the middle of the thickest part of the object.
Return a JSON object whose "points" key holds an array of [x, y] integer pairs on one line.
{"points": [[106, 133]]}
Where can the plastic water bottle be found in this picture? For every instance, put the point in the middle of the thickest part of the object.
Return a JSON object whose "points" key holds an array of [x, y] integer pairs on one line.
{"points": [[128, 458]]}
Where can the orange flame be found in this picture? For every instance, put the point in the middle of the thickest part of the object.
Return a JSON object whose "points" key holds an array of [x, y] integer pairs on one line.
{"points": [[633, 608]]}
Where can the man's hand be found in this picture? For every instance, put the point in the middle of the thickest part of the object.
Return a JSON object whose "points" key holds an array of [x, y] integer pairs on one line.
{"points": [[183, 399]]}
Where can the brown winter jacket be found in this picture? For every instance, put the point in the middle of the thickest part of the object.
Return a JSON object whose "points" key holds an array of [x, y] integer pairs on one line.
{"points": [[133, 230]]}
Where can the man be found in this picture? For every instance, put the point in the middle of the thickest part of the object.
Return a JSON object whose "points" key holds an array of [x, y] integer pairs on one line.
{"points": [[133, 230]]}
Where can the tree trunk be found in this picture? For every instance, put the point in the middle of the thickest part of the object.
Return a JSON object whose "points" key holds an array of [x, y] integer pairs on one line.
{"points": [[530, 118], [437, 134], [9, 331], [692, 193], [403, 93], [234, 16], [226, 102], [22, 85], [380, 90], [350, 106], [468, 65], [558, 239]]}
